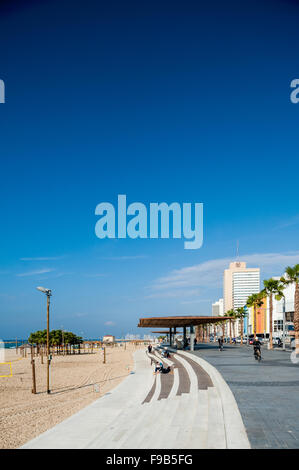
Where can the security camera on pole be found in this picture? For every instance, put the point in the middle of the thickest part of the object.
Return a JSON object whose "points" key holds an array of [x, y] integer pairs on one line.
{"points": [[48, 293]]}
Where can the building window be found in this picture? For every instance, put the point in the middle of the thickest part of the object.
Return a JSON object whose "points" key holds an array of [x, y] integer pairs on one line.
{"points": [[278, 325]]}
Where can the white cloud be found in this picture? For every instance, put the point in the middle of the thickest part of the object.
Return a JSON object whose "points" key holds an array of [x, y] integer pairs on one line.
{"points": [[34, 273], [195, 301], [173, 293], [209, 274], [63, 274], [109, 323], [288, 222], [45, 258]]}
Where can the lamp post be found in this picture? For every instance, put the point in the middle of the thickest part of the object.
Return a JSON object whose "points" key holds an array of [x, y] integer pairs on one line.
{"points": [[48, 293], [284, 324]]}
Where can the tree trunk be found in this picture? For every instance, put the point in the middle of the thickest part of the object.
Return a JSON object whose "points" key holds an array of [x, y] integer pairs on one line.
{"points": [[254, 314], [296, 317], [230, 332], [271, 323], [242, 330], [200, 334], [214, 333]]}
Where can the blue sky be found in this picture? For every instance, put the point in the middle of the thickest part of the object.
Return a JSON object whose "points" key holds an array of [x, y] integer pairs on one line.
{"points": [[161, 101]]}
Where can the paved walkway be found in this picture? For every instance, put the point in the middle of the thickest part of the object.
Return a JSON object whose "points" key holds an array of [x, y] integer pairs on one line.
{"points": [[267, 393], [190, 408]]}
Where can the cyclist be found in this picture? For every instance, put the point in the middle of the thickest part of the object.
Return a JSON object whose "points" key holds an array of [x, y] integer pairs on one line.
{"points": [[256, 347]]}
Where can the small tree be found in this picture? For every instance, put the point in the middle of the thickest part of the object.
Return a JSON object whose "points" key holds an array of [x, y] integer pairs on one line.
{"points": [[55, 338]]}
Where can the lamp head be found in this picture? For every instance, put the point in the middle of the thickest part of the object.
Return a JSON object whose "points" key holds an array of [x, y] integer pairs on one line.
{"points": [[48, 292]]}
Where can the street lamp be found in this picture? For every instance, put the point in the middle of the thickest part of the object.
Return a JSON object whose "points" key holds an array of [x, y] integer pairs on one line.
{"points": [[48, 293]]}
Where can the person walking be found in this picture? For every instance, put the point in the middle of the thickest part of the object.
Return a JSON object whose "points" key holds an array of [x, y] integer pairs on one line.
{"points": [[220, 342]]}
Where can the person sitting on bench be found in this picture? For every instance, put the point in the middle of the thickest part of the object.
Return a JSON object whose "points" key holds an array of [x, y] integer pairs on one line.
{"points": [[159, 367]]}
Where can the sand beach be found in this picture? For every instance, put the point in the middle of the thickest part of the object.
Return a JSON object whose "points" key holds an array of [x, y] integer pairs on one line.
{"points": [[76, 381]]}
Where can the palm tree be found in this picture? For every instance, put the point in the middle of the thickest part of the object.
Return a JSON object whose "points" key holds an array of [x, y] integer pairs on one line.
{"points": [[241, 314], [255, 300], [223, 329], [231, 313], [234, 316], [293, 278], [272, 287]]}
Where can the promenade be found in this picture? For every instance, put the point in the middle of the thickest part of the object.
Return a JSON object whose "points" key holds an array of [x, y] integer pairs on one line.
{"points": [[190, 408], [267, 393]]}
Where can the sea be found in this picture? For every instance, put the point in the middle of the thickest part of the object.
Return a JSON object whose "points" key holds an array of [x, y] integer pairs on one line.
{"points": [[11, 343]]}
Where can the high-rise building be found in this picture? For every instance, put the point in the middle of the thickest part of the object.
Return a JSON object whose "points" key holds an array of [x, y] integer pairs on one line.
{"points": [[217, 308], [239, 283]]}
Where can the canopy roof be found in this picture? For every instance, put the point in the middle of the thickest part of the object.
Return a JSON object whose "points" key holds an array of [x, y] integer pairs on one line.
{"points": [[165, 332], [177, 321]]}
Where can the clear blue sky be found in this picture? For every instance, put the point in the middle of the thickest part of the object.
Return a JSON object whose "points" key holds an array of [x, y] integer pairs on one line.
{"points": [[163, 101]]}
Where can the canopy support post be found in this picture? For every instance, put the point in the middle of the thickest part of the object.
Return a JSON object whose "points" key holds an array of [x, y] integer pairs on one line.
{"points": [[191, 338]]}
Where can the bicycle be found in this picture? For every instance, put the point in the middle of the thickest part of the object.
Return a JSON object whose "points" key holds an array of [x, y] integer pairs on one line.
{"points": [[257, 355]]}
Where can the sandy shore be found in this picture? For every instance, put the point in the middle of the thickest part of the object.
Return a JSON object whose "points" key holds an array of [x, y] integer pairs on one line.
{"points": [[74, 383]]}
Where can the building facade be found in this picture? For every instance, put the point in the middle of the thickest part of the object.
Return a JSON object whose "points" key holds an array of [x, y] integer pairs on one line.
{"points": [[217, 308], [239, 282], [286, 305]]}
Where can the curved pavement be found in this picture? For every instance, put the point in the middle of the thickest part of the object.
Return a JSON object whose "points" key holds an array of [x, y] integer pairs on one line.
{"points": [[189, 408]]}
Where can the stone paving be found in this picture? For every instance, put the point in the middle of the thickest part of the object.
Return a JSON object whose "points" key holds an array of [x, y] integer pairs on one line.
{"points": [[267, 393], [122, 420]]}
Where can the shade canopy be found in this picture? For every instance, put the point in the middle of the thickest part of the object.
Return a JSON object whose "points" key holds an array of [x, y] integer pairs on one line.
{"points": [[178, 321], [165, 332]]}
